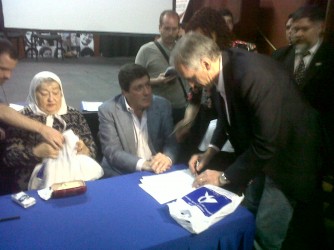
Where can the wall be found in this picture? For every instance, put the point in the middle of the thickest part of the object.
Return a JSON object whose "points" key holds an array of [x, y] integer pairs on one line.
{"points": [[111, 16], [272, 17]]}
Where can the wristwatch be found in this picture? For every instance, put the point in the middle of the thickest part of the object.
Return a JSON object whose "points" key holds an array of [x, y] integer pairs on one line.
{"points": [[223, 180]]}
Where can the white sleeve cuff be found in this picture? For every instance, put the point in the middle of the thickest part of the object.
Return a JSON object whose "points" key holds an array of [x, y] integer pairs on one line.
{"points": [[171, 162], [214, 147], [140, 164]]}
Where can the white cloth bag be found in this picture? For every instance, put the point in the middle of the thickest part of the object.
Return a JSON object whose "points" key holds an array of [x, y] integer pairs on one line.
{"points": [[69, 166], [203, 207]]}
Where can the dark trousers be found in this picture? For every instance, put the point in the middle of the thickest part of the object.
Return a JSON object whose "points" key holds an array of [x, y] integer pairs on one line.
{"points": [[283, 222]]}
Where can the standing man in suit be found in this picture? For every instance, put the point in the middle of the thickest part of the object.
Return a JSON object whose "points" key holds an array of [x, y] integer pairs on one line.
{"points": [[273, 131], [136, 127], [317, 81]]}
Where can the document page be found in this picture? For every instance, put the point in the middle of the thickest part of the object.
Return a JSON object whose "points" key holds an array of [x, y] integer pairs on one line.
{"points": [[90, 106], [169, 186], [17, 107]]}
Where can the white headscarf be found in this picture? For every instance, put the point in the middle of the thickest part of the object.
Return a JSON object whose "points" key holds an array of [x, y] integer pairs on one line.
{"points": [[32, 101]]}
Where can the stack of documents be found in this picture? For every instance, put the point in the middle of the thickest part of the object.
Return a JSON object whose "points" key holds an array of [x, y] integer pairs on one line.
{"points": [[169, 186]]}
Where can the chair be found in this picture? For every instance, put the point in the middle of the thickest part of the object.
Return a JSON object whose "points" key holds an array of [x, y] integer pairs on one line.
{"points": [[92, 119]]}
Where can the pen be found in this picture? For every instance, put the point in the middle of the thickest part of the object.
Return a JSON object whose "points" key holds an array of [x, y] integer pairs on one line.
{"points": [[9, 218], [197, 164]]}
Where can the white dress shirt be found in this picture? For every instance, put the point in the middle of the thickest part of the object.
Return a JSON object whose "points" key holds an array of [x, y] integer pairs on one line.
{"points": [[221, 89], [141, 137], [308, 58]]}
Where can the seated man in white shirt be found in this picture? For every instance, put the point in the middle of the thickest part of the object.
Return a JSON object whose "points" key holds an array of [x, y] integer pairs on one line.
{"points": [[136, 126]]}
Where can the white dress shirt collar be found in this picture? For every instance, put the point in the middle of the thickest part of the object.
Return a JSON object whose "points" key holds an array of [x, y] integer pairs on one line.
{"points": [[308, 58]]}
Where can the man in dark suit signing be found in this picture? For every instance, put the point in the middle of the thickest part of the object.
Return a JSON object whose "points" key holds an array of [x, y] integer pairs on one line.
{"points": [[273, 131], [316, 81]]}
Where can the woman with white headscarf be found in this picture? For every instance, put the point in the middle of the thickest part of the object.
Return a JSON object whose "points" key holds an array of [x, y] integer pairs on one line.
{"points": [[46, 103]]}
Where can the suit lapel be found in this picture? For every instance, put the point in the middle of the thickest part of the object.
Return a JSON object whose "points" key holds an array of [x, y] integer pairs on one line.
{"points": [[228, 81], [125, 119], [315, 64], [152, 116]]}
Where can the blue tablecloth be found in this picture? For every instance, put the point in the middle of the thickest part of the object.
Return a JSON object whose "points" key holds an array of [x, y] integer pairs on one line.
{"points": [[114, 213]]}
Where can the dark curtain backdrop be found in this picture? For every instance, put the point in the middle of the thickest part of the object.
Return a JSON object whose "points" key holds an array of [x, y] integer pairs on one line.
{"points": [[122, 45]]}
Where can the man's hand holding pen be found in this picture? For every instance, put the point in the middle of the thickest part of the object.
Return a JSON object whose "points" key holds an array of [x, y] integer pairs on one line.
{"points": [[196, 165]]}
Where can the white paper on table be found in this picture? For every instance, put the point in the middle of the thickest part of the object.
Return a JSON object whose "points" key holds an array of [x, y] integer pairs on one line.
{"points": [[90, 106], [169, 186]]}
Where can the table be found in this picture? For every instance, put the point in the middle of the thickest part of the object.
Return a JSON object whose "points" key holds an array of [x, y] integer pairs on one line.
{"points": [[114, 213]]}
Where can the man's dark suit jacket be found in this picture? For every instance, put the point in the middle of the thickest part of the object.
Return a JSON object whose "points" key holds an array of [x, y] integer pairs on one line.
{"points": [[272, 128], [317, 87]]}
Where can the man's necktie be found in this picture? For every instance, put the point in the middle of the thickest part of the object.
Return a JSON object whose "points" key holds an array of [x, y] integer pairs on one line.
{"points": [[300, 70]]}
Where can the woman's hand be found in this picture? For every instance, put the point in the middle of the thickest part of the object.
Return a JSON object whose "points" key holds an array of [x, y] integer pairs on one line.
{"points": [[45, 150], [82, 148]]}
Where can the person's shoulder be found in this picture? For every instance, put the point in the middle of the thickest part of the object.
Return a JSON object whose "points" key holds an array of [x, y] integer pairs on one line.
{"points": [[237, 51], [243, 63], [327, 45], [112, 102], [324, 57], [73, 111], [283, 51], [146, 52], [327, 49], [148, 45], [236, 55], [159, 100], [27, 111]]}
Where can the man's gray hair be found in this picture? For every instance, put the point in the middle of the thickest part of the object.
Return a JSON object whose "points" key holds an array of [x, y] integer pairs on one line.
{"points": [[189, 50]]}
